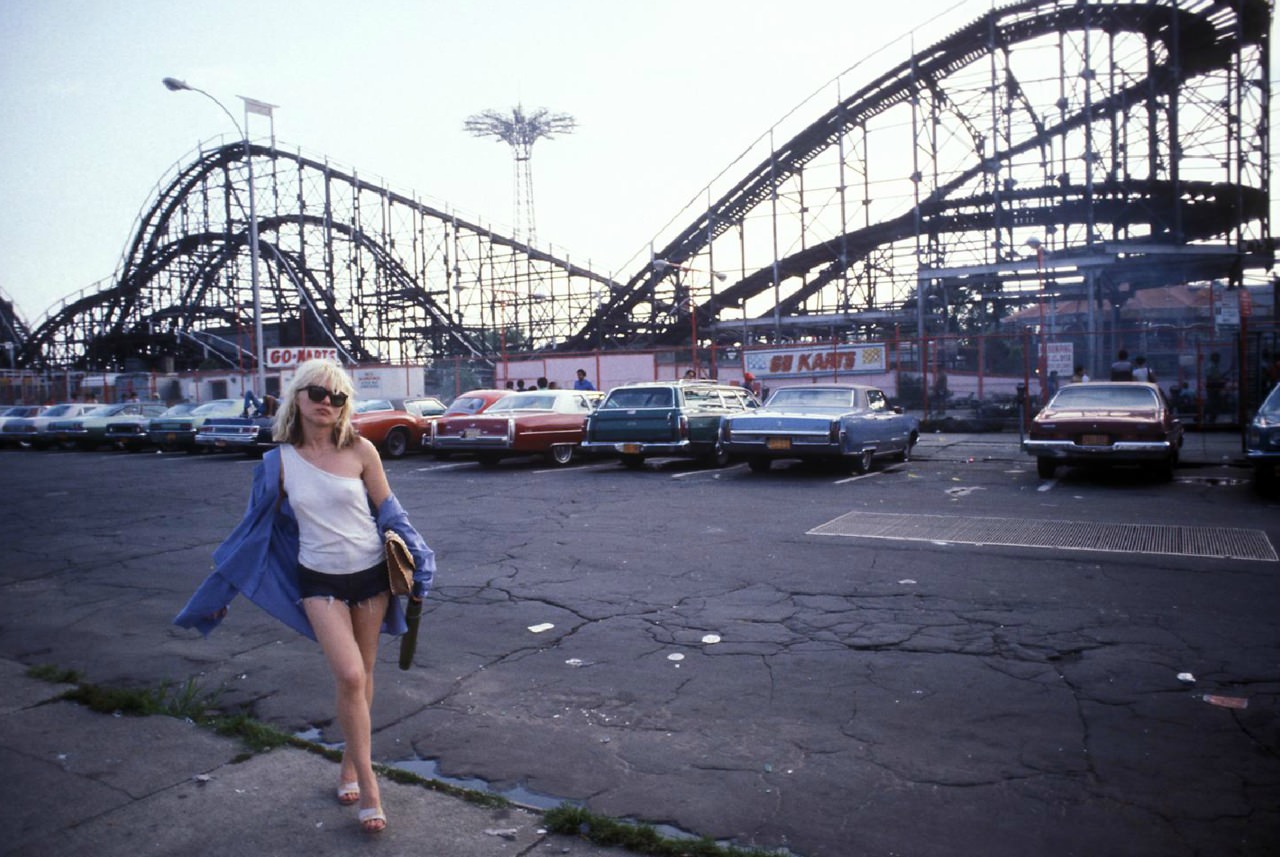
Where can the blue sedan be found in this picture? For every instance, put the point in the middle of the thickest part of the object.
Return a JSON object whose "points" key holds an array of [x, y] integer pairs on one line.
{"points": [[847, 425], [1262, 443]]}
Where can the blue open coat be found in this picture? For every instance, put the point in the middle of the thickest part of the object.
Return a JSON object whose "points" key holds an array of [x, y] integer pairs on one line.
{"points": [[259, 560]]}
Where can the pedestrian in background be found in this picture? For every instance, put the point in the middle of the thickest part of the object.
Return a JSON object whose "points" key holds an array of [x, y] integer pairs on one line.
{"points": [[309, 551], [1141, 371], [1122, 369], [582, 383]]}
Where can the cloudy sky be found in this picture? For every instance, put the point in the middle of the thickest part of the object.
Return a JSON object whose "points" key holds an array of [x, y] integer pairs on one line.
{"points": [[667, 93]]}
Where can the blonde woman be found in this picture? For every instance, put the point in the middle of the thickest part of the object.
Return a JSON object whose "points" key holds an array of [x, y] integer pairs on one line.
{"points": [[309, 551]]}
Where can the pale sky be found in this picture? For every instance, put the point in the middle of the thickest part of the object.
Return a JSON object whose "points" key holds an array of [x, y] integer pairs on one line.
{"points": [[667, 93]]}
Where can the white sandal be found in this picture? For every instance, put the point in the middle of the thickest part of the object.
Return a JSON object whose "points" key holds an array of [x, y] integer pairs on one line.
{"points": [[349, 793], [370, 815]]}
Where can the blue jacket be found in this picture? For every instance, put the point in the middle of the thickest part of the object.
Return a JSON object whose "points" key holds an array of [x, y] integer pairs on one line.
{"points": [[259, 560]]}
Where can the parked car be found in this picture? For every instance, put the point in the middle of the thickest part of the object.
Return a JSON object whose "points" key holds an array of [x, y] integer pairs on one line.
{"points": [[89, 431], [1106, 423], [174, 430], [396, 425], [470, 402], [131, 434], [846, 425], [1262, 443], [252, 435], [33, 431], [676, 418], [545, 422]]}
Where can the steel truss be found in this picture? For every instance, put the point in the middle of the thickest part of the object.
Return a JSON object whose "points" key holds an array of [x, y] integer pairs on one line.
{"points": [[1134, 134], [1128, 138], [345, 264]]}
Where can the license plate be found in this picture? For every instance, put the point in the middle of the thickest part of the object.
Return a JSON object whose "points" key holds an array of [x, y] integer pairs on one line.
{"points": [[170, 437], [630, 449], [778, 443], [467, 434], [1095, 440]]}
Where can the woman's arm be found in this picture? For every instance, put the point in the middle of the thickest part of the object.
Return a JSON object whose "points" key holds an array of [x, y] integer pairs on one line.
{"points": [[375, 478]]}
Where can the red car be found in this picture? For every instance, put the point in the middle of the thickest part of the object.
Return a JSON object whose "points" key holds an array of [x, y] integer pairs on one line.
{"points": [[536, 422], [1106, 423], [396, 425]]}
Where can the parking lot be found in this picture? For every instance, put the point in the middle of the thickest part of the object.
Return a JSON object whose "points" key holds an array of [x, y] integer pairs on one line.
{"points": [[948, 655]]}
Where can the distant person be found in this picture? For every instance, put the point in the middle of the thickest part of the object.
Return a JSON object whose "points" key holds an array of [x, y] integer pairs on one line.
{"points": [[520, 386], [582, 383], [511, 385], [690, 375], [1122, 369], [1079, 376], [1141, 371], [542, 382], [749, 382]]}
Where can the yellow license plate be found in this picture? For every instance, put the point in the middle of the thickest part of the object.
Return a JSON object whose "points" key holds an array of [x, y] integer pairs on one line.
{"points": [[630, 449], [778, 443], [1095, 440]]}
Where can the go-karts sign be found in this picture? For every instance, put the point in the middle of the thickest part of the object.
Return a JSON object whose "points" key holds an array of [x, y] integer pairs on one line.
{"points": [[816, 360], [285, 358]]}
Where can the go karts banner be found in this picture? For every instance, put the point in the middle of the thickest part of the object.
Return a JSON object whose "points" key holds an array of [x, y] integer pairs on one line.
{"points": [[816, 360]]}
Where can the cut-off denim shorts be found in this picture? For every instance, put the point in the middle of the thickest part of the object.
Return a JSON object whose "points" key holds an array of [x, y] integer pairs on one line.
{"points": [[351, 589]]}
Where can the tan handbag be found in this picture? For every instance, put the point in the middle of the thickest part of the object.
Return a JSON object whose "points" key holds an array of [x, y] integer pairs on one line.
{"points": [[399, 563]]}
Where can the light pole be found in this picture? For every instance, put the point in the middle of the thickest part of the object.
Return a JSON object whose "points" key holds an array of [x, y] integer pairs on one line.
{"points": [[1043, 364], [662, 265], [175, 85]]}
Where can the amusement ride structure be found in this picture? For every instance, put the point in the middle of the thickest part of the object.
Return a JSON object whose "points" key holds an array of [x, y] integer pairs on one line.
{"points": [[1091, 148]]}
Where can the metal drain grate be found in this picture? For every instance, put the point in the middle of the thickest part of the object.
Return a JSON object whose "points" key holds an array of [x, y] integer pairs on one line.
{"points": [[1219, 542]]}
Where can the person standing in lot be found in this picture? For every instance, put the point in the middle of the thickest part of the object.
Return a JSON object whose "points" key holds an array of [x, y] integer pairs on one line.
{"points": [[309, 551], [582, 383]]}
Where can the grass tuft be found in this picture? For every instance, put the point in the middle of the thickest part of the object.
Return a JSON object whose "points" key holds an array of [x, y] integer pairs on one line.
{"points": [[570, 820]]}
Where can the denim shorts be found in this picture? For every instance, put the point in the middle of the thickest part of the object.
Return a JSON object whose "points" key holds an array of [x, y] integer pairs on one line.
{"points": [[351, 589]]}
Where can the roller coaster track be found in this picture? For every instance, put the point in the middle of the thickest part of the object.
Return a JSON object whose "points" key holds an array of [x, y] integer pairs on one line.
{"points": [[1132, 133]]}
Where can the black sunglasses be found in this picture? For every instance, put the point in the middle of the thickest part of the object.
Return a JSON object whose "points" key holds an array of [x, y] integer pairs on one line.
{"points": [[317, 394]]}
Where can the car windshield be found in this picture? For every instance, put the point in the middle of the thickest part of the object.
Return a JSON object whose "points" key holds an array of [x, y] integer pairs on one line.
{"points": [[220, 407], [466, 405], [1271, 405], [519, 402], [801, 399], [640, 397], [59, 410], [1104, 396], [181, 409], [103, 410], [365, 406]]}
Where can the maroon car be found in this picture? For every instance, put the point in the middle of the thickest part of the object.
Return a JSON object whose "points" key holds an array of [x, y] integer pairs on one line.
{"points": [[537, 422], [1106, 423]]}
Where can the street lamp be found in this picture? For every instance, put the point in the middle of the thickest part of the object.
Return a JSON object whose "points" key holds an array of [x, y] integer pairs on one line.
{"points": [[175, 85], [661, 265], [1036, 244]]}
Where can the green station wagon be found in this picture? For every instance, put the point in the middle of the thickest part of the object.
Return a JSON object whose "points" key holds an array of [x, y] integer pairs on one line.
{"points": [[671, 418]]}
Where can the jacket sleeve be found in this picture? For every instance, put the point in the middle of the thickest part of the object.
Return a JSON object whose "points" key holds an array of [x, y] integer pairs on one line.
{"points": [[392, 516]]}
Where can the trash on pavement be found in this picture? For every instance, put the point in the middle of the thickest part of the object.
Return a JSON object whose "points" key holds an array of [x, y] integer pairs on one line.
{"points": [[1226, 701]]}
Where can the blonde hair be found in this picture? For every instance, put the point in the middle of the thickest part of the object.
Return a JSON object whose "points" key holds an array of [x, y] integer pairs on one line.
{"points": [[287, 428]]}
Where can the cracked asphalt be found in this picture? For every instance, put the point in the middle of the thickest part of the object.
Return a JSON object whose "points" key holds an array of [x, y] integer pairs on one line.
{"points": [[711, 666]]}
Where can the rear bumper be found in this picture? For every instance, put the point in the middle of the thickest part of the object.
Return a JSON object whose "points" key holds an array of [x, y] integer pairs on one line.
{"points": [[1124, 450], [630, 447]]}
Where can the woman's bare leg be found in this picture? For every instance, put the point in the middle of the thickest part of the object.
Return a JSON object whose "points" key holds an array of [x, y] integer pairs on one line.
{"points": [[349, 638]]}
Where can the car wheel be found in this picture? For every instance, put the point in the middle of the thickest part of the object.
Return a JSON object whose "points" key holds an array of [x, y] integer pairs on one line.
{"points": [[718, 457], [561, 454], [633, 462], [396, 443], [862, 464], [760, 464], [1045, 467]]}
